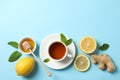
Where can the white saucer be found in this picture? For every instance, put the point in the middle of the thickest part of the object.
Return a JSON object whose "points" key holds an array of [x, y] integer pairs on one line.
{"points": [[44, 52]]}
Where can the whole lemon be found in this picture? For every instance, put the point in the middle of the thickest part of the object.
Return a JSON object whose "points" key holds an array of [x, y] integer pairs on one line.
{"points": [[24, 66]]}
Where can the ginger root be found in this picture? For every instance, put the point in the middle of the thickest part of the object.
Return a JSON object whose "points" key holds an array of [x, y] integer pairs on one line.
{"points": [[104, 61]]}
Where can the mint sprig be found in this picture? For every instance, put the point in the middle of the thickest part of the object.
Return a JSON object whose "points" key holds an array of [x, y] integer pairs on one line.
{"points": [[104, 47], [68, 42], [46, 60], [14, 56], [13, 44], [64, 39]]}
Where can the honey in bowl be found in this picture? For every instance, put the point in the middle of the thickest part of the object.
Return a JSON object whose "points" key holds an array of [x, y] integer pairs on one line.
{"points": [[30, 41]]}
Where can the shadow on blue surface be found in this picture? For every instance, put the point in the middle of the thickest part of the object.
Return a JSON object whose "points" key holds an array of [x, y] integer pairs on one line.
{"points": [[37, 49]]}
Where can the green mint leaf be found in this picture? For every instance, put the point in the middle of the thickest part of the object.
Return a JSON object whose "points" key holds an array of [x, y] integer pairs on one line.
{"points": [[63, 38], [14, 56], [68, 42], [46, 60], [13, 44], [104, 47]]}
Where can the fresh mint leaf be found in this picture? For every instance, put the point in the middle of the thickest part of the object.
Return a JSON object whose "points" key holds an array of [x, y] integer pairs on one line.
{"points": [[14, 56], [13, 44], [46, 60], [104, 47], [68, 42], [63, 38]]}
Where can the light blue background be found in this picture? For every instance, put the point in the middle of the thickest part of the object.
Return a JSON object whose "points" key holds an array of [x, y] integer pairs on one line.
{"points": [[75, 18]]}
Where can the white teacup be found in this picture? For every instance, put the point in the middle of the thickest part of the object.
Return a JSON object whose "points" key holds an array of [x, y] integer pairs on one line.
{"points": [[58, 51]]}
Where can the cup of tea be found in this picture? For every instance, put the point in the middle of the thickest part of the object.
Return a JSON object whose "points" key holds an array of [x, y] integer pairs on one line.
{"points": [[58, 51]]}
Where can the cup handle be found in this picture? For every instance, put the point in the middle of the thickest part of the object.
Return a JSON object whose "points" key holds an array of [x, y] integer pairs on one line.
{"points": [[69, 55]]}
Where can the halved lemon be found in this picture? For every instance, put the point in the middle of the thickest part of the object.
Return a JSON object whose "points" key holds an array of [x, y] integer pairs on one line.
{"points": [[88, 44], [82, 63]]}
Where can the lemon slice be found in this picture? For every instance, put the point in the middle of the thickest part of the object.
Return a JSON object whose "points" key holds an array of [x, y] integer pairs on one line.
{"points": [[88, 44], [82, 63]]}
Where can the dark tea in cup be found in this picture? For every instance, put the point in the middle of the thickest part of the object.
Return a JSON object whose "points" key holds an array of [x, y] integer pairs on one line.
{"points": [[57, 51]]}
